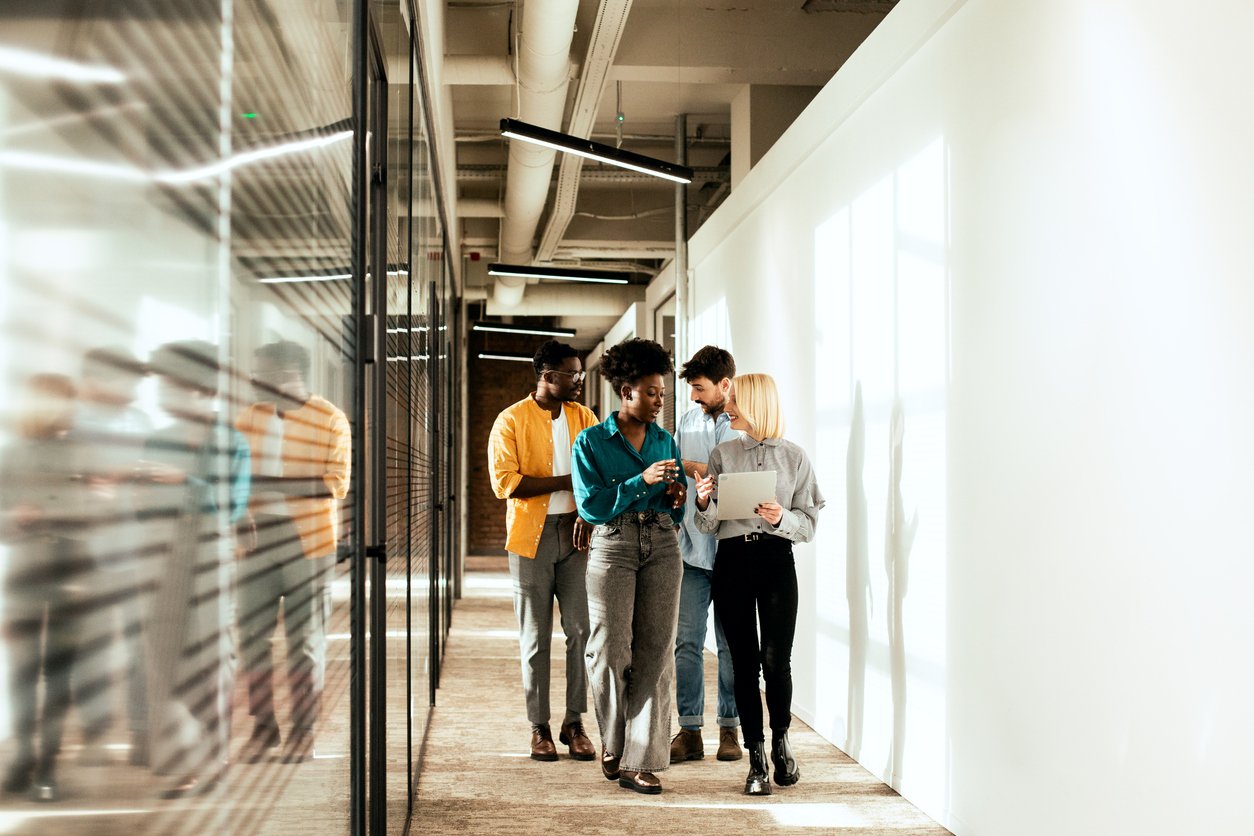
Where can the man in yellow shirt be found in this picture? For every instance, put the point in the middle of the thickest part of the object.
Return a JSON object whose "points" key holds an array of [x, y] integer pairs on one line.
{"points": [[529, 455], [301, 449]]}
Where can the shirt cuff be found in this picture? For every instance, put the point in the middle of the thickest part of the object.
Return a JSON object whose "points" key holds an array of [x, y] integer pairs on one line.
{"points": [[788, 525], [707, 520], [635, 488]]}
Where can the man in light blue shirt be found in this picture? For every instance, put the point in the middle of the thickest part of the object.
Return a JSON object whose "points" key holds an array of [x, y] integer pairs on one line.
{"points": [[698, 432]]}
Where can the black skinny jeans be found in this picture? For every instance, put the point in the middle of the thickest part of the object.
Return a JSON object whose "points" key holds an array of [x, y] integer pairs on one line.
{"points": [[755, 582]]}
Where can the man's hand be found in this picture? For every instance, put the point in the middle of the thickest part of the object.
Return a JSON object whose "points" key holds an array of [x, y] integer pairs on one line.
{"points": [[770, 511], [664, 471], [583, 534], [705, 488], [679, 493]]}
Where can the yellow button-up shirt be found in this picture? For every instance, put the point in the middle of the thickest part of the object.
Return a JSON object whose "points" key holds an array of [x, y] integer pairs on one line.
{"points": [[521, 444], [317, 442]]}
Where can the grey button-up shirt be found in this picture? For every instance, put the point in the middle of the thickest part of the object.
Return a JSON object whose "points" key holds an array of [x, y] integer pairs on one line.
{"points": [[796, 489], [697, 435]]}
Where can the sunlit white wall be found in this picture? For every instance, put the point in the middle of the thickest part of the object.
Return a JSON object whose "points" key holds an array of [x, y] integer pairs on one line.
{"points": [[1001, 269]]}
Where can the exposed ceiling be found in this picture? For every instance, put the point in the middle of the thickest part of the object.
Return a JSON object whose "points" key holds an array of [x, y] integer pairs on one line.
{"points": [[674, 57]]}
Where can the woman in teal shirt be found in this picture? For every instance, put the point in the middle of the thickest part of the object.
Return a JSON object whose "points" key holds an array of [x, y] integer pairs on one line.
{"points": [[629, 483]]}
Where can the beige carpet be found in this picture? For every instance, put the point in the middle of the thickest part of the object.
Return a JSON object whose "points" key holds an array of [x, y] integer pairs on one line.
{"points": [[477, 777]]}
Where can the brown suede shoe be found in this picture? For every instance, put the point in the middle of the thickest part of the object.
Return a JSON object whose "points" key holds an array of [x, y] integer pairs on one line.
{"points": [[609, 765], [728, 745], [687, 746], [581, 748], [645, 782], [542, 748]]}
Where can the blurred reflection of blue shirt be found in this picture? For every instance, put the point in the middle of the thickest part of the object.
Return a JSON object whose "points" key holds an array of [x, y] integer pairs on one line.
{"points": [[697, 435]]}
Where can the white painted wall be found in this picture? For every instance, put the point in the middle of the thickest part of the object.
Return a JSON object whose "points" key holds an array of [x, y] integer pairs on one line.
{"points": [[1028, 224]]}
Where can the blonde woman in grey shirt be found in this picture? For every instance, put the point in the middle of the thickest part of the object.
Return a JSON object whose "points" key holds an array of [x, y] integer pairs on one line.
{"points": [[755, 579]]}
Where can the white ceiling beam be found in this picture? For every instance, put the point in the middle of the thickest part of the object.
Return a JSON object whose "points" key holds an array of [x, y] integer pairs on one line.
{"points": [[606, 35], [720, 75]]}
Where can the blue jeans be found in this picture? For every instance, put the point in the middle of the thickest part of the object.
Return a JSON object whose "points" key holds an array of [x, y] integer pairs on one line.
{"points": [[694, 609]]}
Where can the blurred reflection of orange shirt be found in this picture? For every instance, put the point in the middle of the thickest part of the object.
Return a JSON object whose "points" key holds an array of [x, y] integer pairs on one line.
{"points": [[521, 444], [316, 442]]}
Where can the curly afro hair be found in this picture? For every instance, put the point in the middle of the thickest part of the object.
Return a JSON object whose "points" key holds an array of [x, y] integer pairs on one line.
{"points": [[624, 364]]}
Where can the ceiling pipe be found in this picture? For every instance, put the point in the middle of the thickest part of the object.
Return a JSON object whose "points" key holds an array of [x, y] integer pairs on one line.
{"points": [[543, 75], [571, 300], [611, 20], [478, 69]]}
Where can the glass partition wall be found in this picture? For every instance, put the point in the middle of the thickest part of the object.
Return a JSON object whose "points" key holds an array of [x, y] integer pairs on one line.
{"points": [[228, 406]]}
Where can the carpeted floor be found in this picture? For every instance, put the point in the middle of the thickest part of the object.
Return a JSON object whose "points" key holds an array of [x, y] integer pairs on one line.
{"points": [[477, 777]]}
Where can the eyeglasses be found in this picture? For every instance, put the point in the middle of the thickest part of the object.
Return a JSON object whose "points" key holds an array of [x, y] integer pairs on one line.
{"points": [[575, 377]]}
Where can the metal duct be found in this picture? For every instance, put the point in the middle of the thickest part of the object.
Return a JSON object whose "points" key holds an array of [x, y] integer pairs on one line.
{"points": [[611, 20], [478, 69], [543, 74], [571, 300]]}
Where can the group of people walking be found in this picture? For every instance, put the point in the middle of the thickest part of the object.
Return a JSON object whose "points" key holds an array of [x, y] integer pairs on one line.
{"points": [[602, 517], [184, 541]]}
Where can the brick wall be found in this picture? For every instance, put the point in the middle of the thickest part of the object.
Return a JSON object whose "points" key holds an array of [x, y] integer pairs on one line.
{"points": [[492, 385]]}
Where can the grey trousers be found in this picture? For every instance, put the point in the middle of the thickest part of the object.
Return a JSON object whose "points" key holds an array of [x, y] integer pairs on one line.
{"points": [[634, 572], [277, 570], [558, 570]]}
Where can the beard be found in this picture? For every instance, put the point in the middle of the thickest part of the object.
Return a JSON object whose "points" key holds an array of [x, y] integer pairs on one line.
{"points": [[711, 409]]}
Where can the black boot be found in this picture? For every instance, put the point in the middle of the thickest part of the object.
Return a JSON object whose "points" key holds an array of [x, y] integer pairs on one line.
{"points": [[786, 771], [758, 782]]}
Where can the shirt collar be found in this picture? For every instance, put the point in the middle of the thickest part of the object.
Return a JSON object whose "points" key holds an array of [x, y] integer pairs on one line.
{"points": [[749, 443], [612, 423]]}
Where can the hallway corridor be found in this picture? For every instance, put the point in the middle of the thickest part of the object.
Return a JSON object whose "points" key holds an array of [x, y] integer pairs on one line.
{"points": [[477, 777]]}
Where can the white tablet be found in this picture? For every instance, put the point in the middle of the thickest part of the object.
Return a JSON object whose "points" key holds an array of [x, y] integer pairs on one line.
{"points": [[740, 493]]}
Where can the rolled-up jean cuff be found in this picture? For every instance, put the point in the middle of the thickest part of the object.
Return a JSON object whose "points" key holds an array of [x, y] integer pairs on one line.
{"points": [[685, 722], [729, 722]]}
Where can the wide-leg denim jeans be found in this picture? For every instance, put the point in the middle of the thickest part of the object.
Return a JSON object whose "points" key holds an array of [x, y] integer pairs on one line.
{"points": [[634, 572]]}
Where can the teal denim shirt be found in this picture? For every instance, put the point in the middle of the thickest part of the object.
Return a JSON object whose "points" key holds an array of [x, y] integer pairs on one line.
{"points": [[605, 470]]}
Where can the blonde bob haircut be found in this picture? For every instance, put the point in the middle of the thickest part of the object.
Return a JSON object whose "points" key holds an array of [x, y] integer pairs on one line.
{"points": [[757, 400]]}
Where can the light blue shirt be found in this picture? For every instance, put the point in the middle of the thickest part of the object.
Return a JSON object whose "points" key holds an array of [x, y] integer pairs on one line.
{"points": [[697, 435]]}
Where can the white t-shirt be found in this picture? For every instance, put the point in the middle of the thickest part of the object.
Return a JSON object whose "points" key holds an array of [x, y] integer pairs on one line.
{"points": [[271, 464], [561, 502]]}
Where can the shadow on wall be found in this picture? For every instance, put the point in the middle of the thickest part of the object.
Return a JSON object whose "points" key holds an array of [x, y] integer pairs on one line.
{"points": [[881, 310]]}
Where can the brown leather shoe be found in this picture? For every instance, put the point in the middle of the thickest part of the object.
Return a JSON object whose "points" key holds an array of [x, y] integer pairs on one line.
{"points": [[645, 782], [687, 746], [728, 745], [573, 735], [609, 765], [542, 748]]}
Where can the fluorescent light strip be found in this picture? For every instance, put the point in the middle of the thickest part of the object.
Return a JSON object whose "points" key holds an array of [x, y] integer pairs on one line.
{"points": [[252, 156], [413, 357], [608, 160], [559, 332], [403, 330], [285, 279], [558, 278], [40, 65], [69, 165], [504, 357]]}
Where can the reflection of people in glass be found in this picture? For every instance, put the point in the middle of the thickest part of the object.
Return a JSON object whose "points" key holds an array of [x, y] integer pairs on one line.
{"points": [[43, 504], [112, 431], [529, 454], [199, 470], [301, 448], [629, 483], [755, 579]]}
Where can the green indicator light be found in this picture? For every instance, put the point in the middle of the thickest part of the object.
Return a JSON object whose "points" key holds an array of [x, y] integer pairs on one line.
{"points": [[249, 115]]}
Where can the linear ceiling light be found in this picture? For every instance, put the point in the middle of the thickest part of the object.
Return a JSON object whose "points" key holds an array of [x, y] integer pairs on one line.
{"points": [[285, 279], [505, 328], [497, 355], [515, 129], [560, 273]]}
